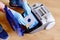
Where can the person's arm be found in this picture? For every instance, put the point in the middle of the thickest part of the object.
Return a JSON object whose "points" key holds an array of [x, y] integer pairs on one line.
{"points": [[2, 6]]}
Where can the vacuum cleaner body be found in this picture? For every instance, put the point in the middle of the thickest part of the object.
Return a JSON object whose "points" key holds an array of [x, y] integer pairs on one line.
{"points": [[40, 18]]}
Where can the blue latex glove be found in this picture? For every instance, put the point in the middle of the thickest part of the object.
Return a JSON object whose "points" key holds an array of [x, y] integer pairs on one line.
{"points": [[13, 21], [19, 17], [22, 4]]}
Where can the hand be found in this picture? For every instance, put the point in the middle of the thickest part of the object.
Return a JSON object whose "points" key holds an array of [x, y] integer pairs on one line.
{"points": [[2, 5]]}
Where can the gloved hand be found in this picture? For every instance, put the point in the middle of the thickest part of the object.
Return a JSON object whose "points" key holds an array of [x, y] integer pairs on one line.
{"points": [[17, 15], [14, 18], [22, 4]]}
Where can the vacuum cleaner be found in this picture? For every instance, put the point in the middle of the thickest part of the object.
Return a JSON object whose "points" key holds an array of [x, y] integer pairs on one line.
{"points": [[40, 19]]}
